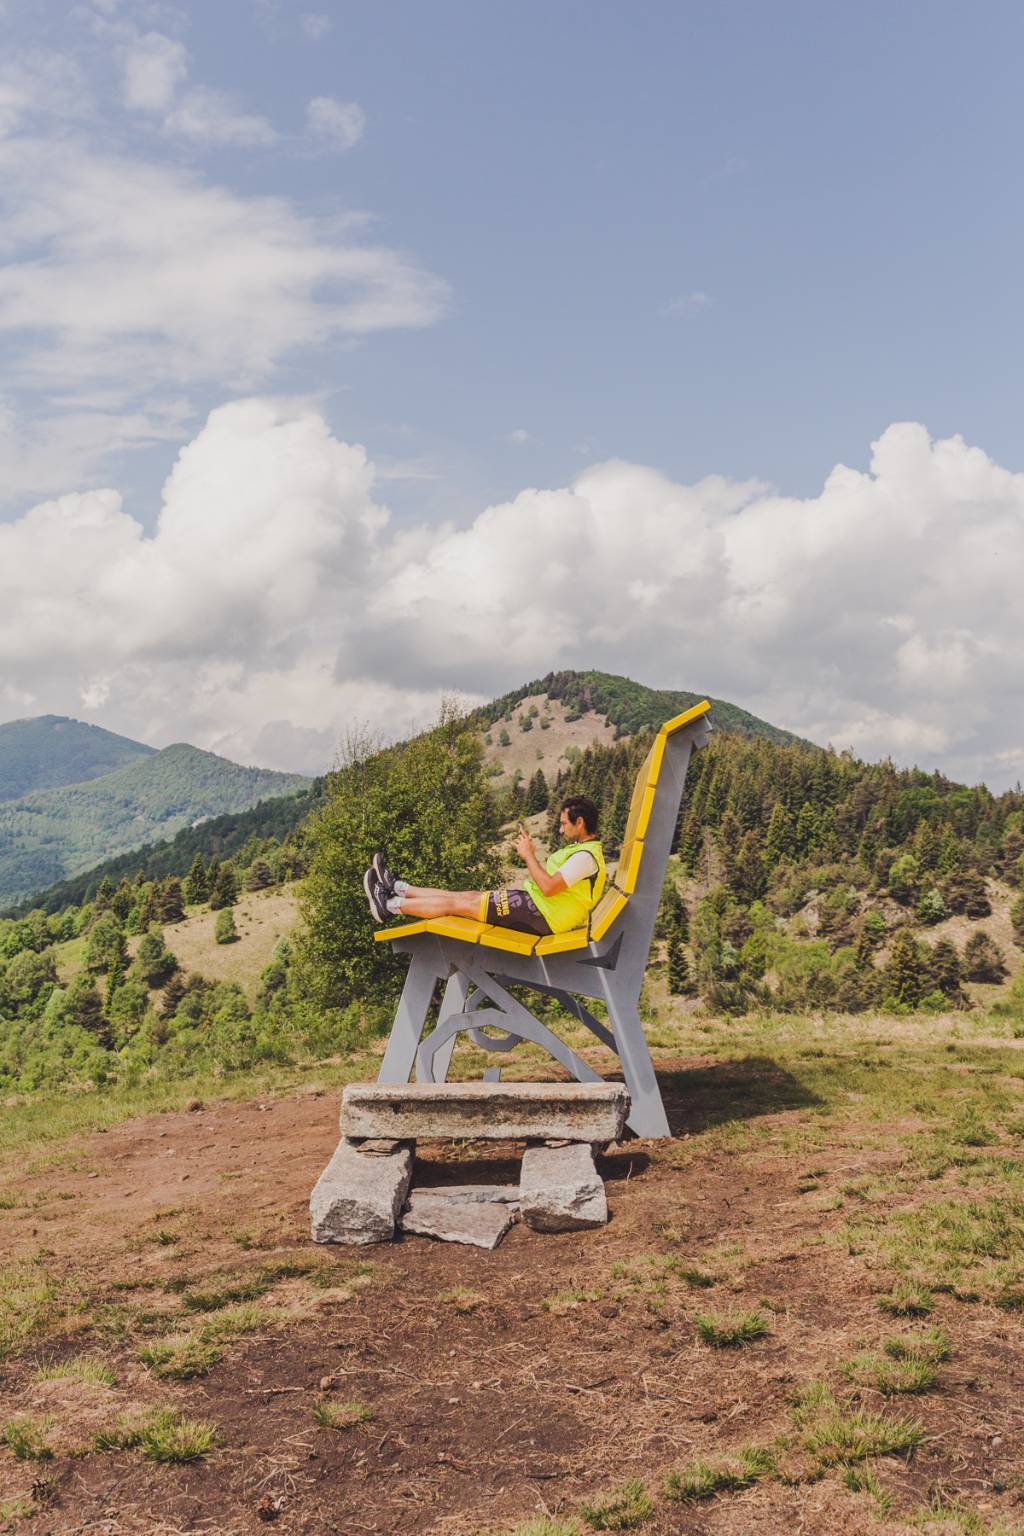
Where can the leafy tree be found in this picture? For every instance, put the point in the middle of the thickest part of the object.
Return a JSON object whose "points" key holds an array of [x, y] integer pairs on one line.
{"points": [[154, 963], [906, 974], [904, 879], [504, 739], [525, 723], [427, 805], [224, 931], [28, 980], [983, 959], [171, 902], [106, 944], [196, 887], [83, 1008], [223, 887], [932, 907]]}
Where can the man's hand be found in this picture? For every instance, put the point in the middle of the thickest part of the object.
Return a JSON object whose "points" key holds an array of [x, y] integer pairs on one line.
{"points": [[524, 845]]}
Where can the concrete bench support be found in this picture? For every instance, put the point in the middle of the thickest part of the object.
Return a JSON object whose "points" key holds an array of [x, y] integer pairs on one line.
{"points": [[589, 1112], [359, 1195]]}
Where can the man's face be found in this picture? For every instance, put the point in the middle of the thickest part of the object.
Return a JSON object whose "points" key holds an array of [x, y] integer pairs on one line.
{"points": [[572, 831]]}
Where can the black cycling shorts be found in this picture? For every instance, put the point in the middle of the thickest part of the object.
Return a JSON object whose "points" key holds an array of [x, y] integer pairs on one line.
{"points": [[512, 908]]}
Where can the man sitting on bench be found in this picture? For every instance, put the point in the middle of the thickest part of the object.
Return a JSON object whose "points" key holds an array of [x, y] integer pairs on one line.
{"points": [[551, 899]]}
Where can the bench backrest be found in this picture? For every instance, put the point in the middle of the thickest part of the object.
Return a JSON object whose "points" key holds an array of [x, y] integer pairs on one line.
{"points": [[650, 827]]}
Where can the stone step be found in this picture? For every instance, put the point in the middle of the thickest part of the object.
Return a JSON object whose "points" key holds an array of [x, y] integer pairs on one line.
{"points": [[594, 1112]]}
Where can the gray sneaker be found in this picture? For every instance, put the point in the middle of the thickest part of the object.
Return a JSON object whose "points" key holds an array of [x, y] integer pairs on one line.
{"points": [[376, 896], [384, 875]]}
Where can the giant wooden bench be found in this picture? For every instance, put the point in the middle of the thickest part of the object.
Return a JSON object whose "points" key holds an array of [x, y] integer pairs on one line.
{"points": [[604, 961]]}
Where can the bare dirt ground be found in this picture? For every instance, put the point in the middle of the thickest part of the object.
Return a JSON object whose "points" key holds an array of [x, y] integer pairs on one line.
{"points": [[498, 1387]]}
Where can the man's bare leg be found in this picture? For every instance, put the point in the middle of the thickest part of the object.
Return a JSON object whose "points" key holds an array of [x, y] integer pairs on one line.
{"points": [[429, 903]]}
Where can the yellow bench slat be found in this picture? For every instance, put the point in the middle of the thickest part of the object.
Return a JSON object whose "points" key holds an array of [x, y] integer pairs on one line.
{"points": [[629, 866], [511, 940], [678, 721], [558, 943], [468, 928], [383, 934], [605, 913]]}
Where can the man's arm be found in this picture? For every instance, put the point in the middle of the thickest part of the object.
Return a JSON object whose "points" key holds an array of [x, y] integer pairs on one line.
{"points": [[548, 885]]}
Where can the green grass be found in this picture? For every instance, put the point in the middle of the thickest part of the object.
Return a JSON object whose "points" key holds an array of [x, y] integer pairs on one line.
{"points": [[931, 1345], [703, 1479], [623, 1509], [863, 1480], [162, 1435], [28, 1303], [907, 1299], [330, 1415], [570, 1299], [94, 1372], [545, 1527], [732, 1331], [837, 1434], [890, 1377], [179, 1358], [26, 1438]]}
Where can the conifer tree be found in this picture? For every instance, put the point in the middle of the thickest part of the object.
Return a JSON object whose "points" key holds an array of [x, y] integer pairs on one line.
{"points": [[944, 970], [223, 887], [679, 980], [806, 829], [154, 962], [931, 908], [149, 907], [260, 876], [122, 900], [1017, 920], [905, 973], [196, 887], [748, 878], [170, 901], [983, 959], [116, 972], [778, 842], [537, 794], [691, 843], [174, 991]]}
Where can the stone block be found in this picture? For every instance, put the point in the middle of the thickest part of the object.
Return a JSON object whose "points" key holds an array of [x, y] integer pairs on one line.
{"points": [[357, 1198], [560, 1190], [482, 1223], [460, 1194], [577, 1112]]}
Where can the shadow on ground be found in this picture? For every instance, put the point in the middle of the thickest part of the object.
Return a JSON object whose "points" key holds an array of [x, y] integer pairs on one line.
{"points": [[697, 1098]]}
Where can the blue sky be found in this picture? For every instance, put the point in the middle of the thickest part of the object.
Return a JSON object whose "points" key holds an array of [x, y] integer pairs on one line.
{"points": [[499, 247]]}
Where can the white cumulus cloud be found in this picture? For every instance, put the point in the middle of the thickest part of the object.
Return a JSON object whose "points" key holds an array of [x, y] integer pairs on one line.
{"points": [[154, 66], [336, 124], [274, 605]]}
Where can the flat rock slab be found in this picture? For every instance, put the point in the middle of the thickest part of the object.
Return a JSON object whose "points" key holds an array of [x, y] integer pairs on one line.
{"points": [[479, 1222], [462, 1194], [560, 1190], [358, 1196], [577, 1112]]}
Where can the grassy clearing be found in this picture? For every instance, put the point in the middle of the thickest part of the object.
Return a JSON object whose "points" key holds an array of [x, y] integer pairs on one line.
{"points": [[731, 1331], [330, 1415]]}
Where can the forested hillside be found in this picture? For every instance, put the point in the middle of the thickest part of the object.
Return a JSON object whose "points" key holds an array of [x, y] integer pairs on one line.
{"points": [[50, 834], [52, 750], [802, 880]]}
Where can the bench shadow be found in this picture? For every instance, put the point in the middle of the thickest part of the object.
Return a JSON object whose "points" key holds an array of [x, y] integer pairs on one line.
{"points": [[697, 1098]]}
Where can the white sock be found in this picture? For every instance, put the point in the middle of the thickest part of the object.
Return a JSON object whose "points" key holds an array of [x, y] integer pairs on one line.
{"points": [[401, 886], [394, 906]]}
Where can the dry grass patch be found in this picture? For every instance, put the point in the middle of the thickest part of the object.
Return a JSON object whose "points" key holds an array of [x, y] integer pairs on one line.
{"points": [[331, 1415], [161, 1435], [733, 1330]]}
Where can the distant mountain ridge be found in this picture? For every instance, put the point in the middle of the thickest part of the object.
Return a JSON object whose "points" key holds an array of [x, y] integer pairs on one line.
{"points": [[51, 834], [627, 705], [52, 750]]}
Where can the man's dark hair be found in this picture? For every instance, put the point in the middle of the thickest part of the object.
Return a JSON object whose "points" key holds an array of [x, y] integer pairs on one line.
{"points": [[579, 805]]}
